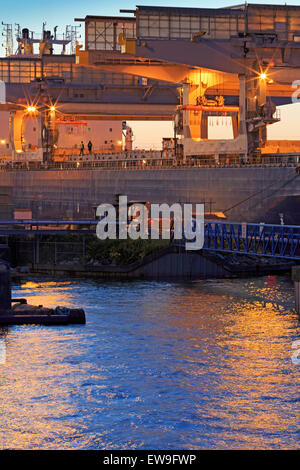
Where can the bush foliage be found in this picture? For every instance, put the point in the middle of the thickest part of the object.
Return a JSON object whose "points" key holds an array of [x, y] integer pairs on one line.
{"points": [[119, 252], [122, 252]]}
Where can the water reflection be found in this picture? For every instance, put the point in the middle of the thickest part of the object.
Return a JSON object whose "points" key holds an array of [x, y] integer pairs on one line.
{"points": [[159, 365]]}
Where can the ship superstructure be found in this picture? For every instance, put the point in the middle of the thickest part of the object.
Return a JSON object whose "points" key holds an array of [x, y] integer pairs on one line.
{"points": [[186, 65]]}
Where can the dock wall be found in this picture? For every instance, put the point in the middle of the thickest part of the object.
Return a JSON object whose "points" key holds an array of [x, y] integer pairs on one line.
{"points": [[168, 264]]}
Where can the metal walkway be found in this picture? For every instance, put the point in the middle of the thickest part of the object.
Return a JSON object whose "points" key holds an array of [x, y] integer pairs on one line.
{"points": [[276, 241]]}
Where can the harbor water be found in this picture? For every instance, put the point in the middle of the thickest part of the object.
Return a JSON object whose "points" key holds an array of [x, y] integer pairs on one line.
{"points": [[159, 365]]}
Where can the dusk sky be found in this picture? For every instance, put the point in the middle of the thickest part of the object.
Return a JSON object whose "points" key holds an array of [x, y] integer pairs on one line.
{"points": [[33, 13]]}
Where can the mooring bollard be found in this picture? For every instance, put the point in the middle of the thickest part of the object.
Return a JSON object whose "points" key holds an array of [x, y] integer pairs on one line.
{"points": [[5, 288], [296, 279]]}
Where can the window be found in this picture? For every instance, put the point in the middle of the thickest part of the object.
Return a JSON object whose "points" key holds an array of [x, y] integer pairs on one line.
{"points": [[280, 25]]}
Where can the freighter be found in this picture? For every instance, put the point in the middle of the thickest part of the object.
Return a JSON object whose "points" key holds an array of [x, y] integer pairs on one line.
{"points": [[62, 149]]}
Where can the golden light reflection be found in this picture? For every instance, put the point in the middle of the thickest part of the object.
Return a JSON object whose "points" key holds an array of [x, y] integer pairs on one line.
{"points": [[49, 293], [223, 347], [242, 333], [34, 284]]}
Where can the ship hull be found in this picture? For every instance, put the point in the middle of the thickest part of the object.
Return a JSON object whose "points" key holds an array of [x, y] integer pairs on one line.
{"points": [[242, 194]]}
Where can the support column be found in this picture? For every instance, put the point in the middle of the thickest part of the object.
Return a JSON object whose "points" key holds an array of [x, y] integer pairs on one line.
{"points": [[262, 92], [40, 125], [261, 101], [243, 111], [235, 126], [243, 105], [186, 114], [296, 279], [193, 128], [203, 125], [15, 131]]}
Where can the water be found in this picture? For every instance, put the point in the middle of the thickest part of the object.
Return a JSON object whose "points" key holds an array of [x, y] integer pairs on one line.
{"points": [[158, 366]]}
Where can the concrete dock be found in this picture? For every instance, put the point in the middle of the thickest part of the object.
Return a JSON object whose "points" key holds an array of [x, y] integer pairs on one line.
{"points": [[21, 314]]}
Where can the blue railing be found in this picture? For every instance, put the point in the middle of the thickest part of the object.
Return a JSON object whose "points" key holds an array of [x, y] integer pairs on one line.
{"points": [[277, 241]]}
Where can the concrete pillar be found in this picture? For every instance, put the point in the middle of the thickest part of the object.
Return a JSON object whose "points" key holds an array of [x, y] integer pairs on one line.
{"points": [[193, 127], [186, 114], [204, 126], [261, 101], [235, 129], [296, 279], [252, 91], [262, 92]]}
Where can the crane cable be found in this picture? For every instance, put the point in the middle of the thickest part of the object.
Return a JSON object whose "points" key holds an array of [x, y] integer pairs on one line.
{"points": [[259, 192]]}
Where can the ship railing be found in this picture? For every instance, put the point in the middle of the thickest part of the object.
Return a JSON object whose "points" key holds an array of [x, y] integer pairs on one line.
{"points": [[157, 163]]}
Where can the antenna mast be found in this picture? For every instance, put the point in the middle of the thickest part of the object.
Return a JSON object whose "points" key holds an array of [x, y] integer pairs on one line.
{"points": [[8, 35], [72, 36]]}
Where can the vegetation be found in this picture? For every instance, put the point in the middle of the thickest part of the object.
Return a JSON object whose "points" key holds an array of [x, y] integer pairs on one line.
{"points": [[84, 248], [122, 252]]}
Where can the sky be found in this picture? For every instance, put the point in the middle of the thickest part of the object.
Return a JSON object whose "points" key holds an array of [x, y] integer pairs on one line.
{"points": [[33, 13]]}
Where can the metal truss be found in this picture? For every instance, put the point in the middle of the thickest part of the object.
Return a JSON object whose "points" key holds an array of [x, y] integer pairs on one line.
{"points": [[276, 241]]}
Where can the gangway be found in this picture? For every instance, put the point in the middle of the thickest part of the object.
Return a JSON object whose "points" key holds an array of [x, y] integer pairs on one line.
{"points": [[275, 241]]}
